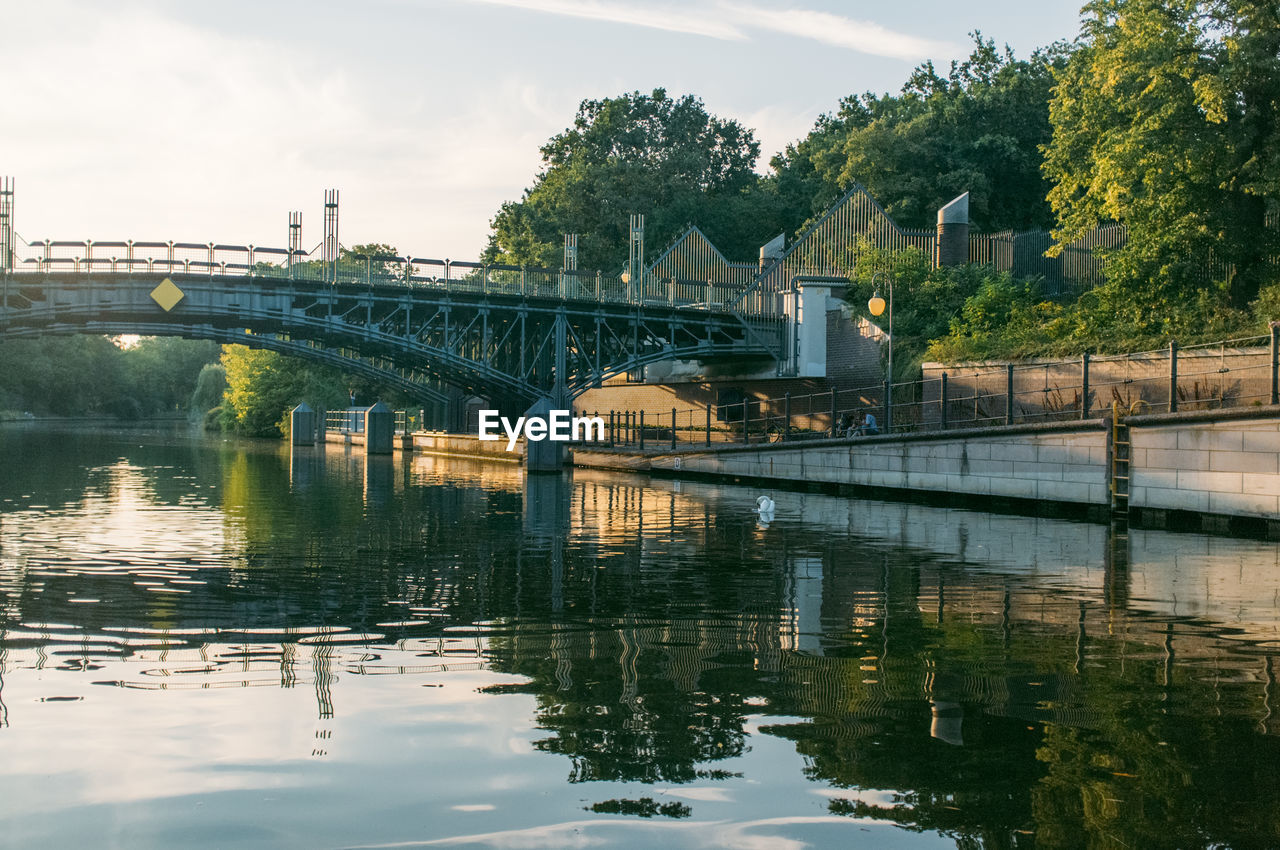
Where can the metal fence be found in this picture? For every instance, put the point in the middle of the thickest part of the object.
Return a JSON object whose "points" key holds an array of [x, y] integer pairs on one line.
{"points": [[1226, 374], [351, 420]]}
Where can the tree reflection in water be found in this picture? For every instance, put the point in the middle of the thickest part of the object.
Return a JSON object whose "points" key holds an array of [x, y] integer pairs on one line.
{"points": [[992, 678]]}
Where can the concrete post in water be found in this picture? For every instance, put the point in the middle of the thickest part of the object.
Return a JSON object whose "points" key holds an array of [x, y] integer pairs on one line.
{"points": [[1173, 376], [379, 430], [322, 425], [302, 425], [953, 233], [542, 455]]}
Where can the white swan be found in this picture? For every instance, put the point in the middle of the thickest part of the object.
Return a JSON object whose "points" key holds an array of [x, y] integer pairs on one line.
{"points": [[765, 505]]}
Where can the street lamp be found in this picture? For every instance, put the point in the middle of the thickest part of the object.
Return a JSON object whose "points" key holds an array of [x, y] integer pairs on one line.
{"points": [[877, 305]]}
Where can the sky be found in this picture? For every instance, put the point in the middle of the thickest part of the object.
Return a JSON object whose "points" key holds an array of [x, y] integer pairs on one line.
{"points": [[155, 120]]}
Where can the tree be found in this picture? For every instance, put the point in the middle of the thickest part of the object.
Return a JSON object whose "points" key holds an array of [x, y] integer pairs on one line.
{"points": [[1165, 119], [664, 157], [976, 130]]}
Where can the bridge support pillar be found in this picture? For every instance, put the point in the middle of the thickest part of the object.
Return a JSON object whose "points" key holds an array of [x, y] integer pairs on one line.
{"points": [[543, 455], [805, 306], [302, 426], [379, 430]]}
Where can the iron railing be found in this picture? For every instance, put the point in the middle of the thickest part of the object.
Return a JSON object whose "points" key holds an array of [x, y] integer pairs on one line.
{"points": [[1236, 373]]}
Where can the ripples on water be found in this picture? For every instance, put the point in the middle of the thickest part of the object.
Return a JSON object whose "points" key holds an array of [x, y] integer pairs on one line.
{"points": [[220, 644]]}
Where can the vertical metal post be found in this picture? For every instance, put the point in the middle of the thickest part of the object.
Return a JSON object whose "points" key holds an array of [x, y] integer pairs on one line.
{"points": [[1173, 376], [833, 413], [1084, 386], [786, 415], [611, 425], [944, 401], [746, 422], [1008, 394], [6, 226], [1275, 363], [888, 410], [331, 235], [295, 242], [673, 427], [642, 430], [708, 425]]}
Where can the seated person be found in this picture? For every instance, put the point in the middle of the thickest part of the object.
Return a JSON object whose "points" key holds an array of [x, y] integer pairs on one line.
{"points": [[868, 425]]}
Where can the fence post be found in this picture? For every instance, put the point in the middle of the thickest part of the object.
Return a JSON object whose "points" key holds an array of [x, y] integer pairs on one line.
{"points": [[1275, 363], [708, 425], [1008, 394], [833, 413], [1173, 376], [944, 401], [888, 413], [673, 427], [642, 430], [786, 416], [1085, 407], [746, 422]]}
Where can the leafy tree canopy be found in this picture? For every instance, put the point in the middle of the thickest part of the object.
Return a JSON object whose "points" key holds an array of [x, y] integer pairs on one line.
{"points": [[1167, 118], [664, 157], [976, 130]]}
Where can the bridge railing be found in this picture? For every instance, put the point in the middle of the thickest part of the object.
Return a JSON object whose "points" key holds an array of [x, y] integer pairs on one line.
{"points": [[1235, 373], [223, 260]]}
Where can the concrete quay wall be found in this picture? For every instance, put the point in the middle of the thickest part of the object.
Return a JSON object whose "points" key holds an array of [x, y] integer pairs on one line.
{"points": [[1217, 464], [1045, 463], [1228, 466]]}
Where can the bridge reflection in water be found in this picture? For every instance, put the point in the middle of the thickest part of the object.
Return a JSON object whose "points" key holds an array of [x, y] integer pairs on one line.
{"points": [[982, 676]]}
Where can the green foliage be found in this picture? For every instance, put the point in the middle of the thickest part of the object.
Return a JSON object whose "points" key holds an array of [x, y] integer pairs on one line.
{"points": [[90, 375], [978, 129], [1165, 119], [665, 157], [263, 386], [211, 384], [925, 299]]}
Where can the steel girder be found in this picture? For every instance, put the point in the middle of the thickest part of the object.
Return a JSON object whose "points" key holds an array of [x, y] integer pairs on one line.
{"points": [[511, 349]]}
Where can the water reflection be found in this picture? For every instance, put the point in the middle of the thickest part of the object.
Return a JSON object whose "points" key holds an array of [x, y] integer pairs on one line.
{"points": [[443, 636]]}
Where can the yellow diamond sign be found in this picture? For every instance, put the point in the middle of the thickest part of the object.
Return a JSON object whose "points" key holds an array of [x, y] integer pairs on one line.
{"points": [[167, 294]]}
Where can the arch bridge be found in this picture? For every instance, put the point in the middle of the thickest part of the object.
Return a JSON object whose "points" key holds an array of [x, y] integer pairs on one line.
{"points": [[506, 333]]}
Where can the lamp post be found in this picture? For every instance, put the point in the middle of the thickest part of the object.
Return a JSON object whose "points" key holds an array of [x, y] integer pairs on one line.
{"points": [[877, 305]]}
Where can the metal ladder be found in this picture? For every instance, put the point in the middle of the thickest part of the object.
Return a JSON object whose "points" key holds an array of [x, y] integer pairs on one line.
{"points": [[1121, 452]]}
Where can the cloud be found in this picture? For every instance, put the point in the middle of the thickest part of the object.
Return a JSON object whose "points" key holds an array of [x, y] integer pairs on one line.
{"points": [[730, 21], [670, 19], [838, 31]]}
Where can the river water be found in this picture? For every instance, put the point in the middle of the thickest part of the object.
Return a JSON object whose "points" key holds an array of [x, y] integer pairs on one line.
{"points": [[215, 643]]}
